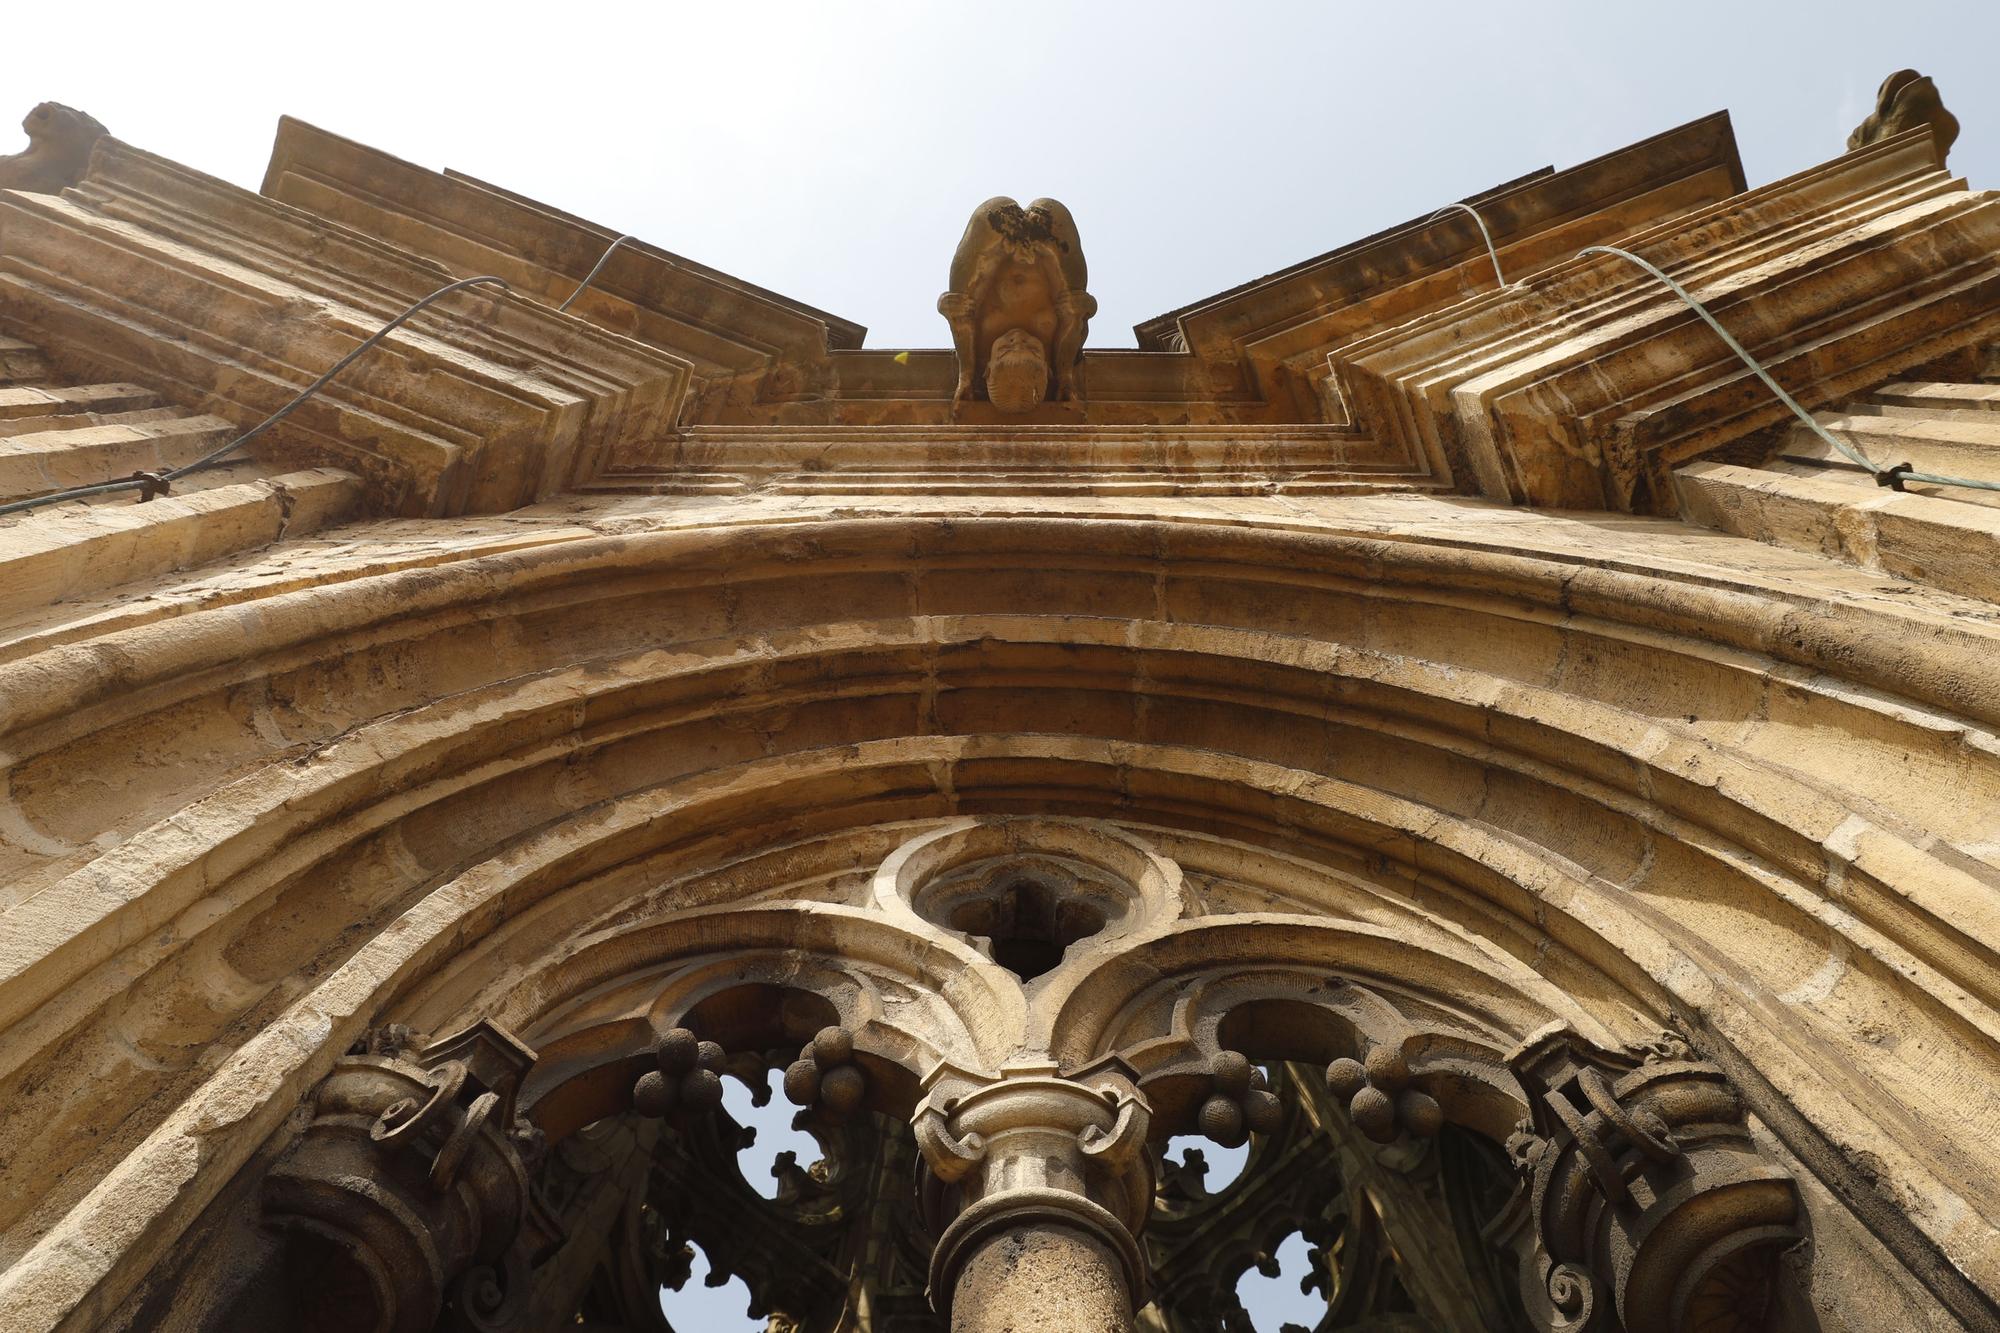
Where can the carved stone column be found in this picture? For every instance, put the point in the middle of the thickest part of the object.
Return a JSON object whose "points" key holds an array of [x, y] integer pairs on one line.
{"points": [[408, 1194], [1650, 1210], [1038, 1187]]}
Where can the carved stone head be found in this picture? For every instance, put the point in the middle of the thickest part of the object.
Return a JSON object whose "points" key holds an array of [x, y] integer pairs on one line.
{"points": [[53, 122], [1017, 371]]}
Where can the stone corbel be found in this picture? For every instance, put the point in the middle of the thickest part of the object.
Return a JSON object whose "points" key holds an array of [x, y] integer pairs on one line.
{"points": [[1036, 1176], [408, 1194], [1646, 1206]]}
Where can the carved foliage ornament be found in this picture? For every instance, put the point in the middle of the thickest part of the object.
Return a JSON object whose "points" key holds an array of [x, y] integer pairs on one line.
{"points": [[1201, 1242], [1643, 1192], [408, 1194]]}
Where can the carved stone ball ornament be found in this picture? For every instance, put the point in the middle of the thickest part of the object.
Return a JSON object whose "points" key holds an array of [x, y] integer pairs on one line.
{"points": [[825, 1075], [689, 1077], [1241, 1103], [1017, 306], [1376, 1090]]}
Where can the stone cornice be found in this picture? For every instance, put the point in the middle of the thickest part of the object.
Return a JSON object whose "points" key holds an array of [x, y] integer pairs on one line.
{"points": [[228, 304], [1528, 204], [1583, 386], [1276, 332], [734, 333]]}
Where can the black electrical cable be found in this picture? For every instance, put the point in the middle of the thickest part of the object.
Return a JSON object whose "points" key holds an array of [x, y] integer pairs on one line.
{"points": [[150, 484]]}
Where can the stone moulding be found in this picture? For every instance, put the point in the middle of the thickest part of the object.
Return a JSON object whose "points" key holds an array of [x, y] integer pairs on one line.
{"points": [[1585, 385], [1276, 332], [745, 344], [228, 304], [1018, 460]]}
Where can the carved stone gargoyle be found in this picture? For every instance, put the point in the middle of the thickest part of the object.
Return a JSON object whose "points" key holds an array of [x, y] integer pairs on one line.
{"points": [[1017, 305], [1907, 99], [409, 1192], [59, 142], [1650, 1209]]}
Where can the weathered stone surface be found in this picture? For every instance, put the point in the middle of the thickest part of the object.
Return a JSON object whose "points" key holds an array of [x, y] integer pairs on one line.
{"points": [[1042, 782], [1276, 333], [1907, 100], [228, 304], [1043, 1280], [1583, 387], [747, 346], [1017, 306], [60, 139]]}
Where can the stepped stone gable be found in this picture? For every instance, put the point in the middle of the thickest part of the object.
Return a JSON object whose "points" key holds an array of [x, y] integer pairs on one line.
{"points": [[1429, 723]]}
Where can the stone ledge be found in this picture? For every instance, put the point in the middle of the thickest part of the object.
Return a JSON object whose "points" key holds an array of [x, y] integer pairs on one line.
{"points": [[1019, 460], [1928, 539], [69, 553], [229, 304], [1583, 387]]}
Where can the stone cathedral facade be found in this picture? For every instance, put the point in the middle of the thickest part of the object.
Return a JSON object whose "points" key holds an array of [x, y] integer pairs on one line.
{"points": [[1432, 716]]}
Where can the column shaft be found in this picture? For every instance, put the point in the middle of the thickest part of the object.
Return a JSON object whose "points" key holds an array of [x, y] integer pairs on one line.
{"points": [[1041, 1278]]}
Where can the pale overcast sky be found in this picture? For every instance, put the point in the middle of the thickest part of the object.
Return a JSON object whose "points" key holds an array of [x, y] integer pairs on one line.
{"points": [[833, 150]]}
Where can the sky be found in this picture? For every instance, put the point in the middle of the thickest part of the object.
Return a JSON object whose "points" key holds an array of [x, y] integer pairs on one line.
{"points": [[832, 151]]}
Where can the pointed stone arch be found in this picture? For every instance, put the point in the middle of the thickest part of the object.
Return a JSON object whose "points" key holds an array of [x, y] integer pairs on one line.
{"points": [[417, 790]]}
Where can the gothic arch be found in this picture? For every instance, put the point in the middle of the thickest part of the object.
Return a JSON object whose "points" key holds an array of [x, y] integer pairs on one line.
{"points": [[502, 781]]}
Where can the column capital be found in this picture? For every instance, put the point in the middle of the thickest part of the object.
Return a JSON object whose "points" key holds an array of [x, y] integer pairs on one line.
{"points": [[1033, 1147]]}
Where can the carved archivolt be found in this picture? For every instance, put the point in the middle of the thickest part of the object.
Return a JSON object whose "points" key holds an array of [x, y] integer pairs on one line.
{"points": [[1417, 795], [1641, 1188]]}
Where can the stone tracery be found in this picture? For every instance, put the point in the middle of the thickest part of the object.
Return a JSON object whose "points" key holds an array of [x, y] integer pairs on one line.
{"points": [[1031, 1167]]}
